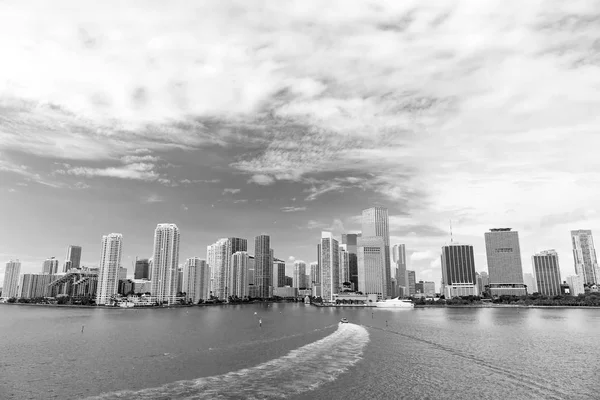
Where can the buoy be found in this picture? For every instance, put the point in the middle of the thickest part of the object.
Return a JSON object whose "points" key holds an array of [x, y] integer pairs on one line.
{"points": [[260, 322], [82, 326]]}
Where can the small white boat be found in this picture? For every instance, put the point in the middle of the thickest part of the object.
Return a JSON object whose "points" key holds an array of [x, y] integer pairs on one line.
{"points": [[394, 303], [127, 304], [344, 320]]}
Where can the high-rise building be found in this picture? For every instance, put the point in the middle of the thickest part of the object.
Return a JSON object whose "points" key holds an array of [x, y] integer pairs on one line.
{"points": [[330, 266], [485, 281], [412, 280], [575, 283], [278, 273], [73, 258], [504, 262], [263, 265], [371, 266], [344, 273], [458, 271], [165, 264], [251, 271], [122, 273], [142, 268], [219, 260], [529, 281], [315, 274], [10, 287], [375, 224], [108, 272], [547, 272], [399, 260], [50, 266], [34, 285], [240, 263], [419, 287], [289, 281], [351, 240], [429, 288], [195, 279], [299, 274], [179, 279], [584, 255]]}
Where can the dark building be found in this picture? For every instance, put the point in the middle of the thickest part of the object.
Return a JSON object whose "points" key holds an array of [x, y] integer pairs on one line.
{"points": [[73, 258], [142, 268], [350, 240], [125, 286], [263, 266], [419, 287], [458, 271], [289, 281]]}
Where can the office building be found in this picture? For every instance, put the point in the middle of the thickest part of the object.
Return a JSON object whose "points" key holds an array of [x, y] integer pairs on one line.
{"points": [[504, 262], [584, 255], [50, 266], [351, 242], [110, 259], [575, 283], [165, 257], [315, 274], [344, 273], [10, 287], [122, 273], [375, 224], [219, 260], [240, 263], [330, 266], [412, 280], [263, 265], [547, 273], [371, 266], [73, 258], [529, 281], [278, 273], [428, 288], [399, 260], [142, 268], [419, 287], [196, 279], [458, 271], [299, 276]]}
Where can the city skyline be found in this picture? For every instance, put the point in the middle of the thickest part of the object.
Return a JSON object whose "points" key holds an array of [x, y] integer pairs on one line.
{"points": [[228, 132]]}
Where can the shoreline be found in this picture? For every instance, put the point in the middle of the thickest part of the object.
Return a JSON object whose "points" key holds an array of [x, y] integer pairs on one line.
{"points": [[497, 306]]}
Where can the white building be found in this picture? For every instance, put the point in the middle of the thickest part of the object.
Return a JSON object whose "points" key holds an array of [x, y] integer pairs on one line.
{"points": [[584, 254], [50, 266], [375, 223], [165, 263], [10, 288], [240, 265], [371, 266], [529, 281], [299, 276], [575, 283], [195, 279], [110, 258], [344, 265], [330, 266], [219, 261]]}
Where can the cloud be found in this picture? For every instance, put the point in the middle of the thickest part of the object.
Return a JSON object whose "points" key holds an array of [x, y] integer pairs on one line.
{"points": [[292, 209], [137, 171], [423, 255], [81, 185], [240, 201], [184, 207], [189, 181], [12, 190], [153, 198], [231, 191], [261, 179]]}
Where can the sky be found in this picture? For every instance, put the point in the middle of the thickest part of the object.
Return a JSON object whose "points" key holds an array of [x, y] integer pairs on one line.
{"points": [[238, 118]]}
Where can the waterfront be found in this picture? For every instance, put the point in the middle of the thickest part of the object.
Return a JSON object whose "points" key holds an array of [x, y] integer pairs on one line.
{"points": [[222, 352]]}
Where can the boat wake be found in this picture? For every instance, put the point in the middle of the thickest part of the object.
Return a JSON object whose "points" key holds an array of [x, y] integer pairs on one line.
{"points": [[301, 370]]}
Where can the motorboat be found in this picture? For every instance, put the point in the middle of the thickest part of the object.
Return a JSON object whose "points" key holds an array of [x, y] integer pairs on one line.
{"points": [[344, 320], [394, 303]]}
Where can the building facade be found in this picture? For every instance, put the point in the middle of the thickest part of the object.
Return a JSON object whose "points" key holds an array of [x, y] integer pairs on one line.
{"points": [[458, 271], [575, 283], [371, 266], [529, 281], [330, 266], [584, 256], [142, 269], [278, 273], [34, 285], [10, 287], [240, 263], [504, 262], [547, 273], [50, 266], [351, 242], [299, 275], [73, 258], [375, 223], [399, 261], [219, 260], [344, 273], [110, 259], [165, 266], [263, 266], [412, 280]]}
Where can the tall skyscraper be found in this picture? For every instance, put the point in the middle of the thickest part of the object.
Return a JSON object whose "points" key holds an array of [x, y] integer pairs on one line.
{"points": [[263, 265], [375, 224], [504, 262], [142, 268], [240, 263], [458, 271], [110, 259], [315, 274], [219, 260], [344, 265], [195, 279], [299, 274], [584, 255], [412, 280], [529, 281], [575, 283], [34, 285], [371, 266], [73, 258], [485, 280], [547, 272], [351, 240], [399, 260], [10, 287], [330, 266], [50, 266], [165, 264], [278, 273], [122, 275]]}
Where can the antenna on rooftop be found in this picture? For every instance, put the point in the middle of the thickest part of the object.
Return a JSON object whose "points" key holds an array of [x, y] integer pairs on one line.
{"points": [[451, 239]]}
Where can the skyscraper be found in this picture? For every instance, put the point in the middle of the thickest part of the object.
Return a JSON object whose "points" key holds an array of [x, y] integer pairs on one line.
{"points": [[584, 255], [529, 281], [50, 266], [278, 273], [195, 279], [315, 274], [299, 274], [219, 260], [575, 283], [350, 240], [371, 266], [110, 259], [344, 265], [34, 285], [240, 263], [330, 266], [165, 264], [10, 287], [73, 258], [263, 265], [412, 280], [547, 272], [142, 268], [399, 259], [504, 262], [375, 224], [458, 271]]}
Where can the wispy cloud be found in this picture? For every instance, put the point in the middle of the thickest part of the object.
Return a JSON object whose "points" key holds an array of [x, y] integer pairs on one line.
{"points": [[231, 191], [153, 198], [292, 209], [138, 171]]}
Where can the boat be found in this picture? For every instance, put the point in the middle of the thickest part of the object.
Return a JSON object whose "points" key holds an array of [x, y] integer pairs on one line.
{"points": [[126, 304], [344, 320], [394, 303]]}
